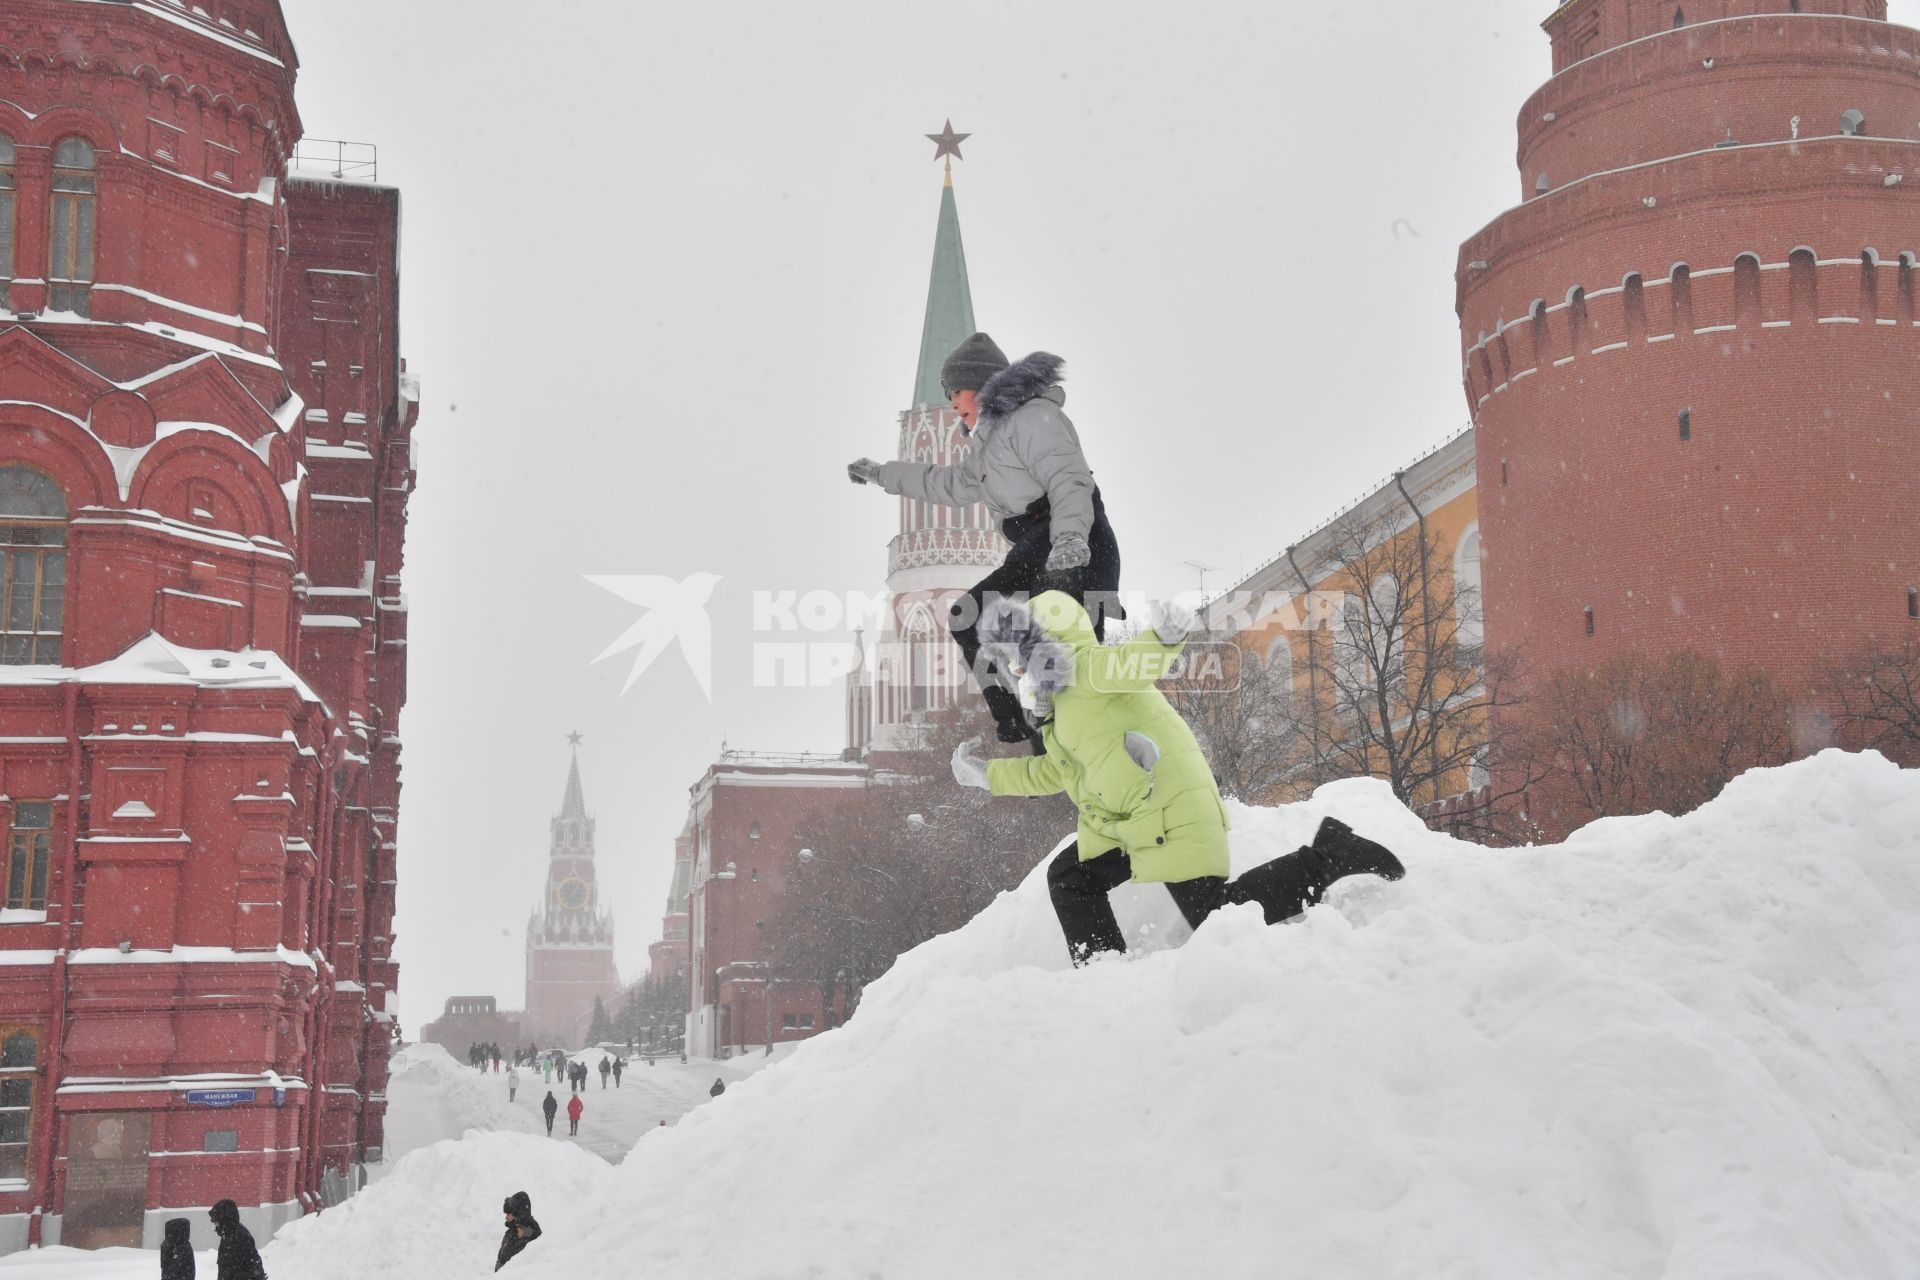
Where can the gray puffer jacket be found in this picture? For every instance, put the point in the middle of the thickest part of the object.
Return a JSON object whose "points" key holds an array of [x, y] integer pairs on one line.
{"points": [[1024, 449]]}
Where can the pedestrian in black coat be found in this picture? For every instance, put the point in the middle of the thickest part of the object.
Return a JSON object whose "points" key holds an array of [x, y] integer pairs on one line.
{"points": [[719, 1087], [238, 1258], [522, 1230], [550, 1108], [176, 1251]]}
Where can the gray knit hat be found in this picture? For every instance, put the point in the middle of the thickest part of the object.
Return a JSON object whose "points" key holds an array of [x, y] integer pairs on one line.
{"points": [[971, 364]]}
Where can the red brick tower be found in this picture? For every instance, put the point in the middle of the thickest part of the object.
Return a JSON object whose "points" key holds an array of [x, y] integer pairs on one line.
{"points": [[205, 466], [1692, 353], [570, 938]]}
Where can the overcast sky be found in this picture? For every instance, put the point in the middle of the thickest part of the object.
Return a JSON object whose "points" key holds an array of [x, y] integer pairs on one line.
{"points": [[663, 275]]}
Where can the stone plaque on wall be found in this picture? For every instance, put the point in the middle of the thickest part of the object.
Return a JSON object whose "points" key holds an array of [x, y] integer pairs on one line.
{"points": [[106, 1180]]}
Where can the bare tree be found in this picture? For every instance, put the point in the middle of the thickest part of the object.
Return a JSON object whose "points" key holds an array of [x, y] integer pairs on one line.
{"points": [[1406, 691], [905, 860], [1879, 698], [1242, 711], [1638, 734]]}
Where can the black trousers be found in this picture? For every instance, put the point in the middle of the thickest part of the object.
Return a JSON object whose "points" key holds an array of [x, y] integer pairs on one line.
{"points": [[1284, 888], [1095, 584]]}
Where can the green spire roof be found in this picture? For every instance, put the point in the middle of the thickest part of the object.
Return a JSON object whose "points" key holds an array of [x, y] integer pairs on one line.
{"points": [[949, 304]]}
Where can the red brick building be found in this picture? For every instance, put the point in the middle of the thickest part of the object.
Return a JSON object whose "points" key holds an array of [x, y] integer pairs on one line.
{"points": [[205, 464], [745, 811], [1691, 351]]}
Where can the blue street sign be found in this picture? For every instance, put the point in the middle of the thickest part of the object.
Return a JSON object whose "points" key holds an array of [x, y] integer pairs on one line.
{"points": [[218, 1097]]}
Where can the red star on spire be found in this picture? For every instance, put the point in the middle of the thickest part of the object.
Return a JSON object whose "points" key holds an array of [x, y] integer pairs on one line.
{"points": [[947, 142]]}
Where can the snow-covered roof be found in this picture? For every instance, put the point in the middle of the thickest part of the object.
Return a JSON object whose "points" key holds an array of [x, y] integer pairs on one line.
{"points": [[155, 660]]}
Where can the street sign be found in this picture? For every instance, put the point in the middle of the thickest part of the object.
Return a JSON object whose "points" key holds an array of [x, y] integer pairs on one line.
{"points": [[219, 1097]]}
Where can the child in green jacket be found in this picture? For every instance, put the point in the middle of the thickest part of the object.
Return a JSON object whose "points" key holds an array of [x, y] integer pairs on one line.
{"points": [[1149, 808]]}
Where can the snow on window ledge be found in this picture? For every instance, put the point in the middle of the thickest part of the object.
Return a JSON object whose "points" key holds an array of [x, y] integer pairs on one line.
{"points": [[14, 916]]}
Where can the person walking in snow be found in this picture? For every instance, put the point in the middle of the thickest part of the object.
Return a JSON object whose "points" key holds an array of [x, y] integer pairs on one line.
{"points": [[176, 1251], [1149, 808], [522, 1230], [606, 1069], [238, 1258], [719, 1087], [574, 1107], [619, 1065], [1026, 464], [513, 1081], [549, 1108]]}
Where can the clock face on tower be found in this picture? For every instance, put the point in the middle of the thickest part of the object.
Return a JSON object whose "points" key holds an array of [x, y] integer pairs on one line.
{"points": [[572, 893]]}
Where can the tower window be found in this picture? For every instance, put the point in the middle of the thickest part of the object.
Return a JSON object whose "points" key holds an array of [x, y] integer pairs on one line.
{"points": [[1852, 123], [1540, 184], [6, 220], [753, 832], [1503, 471], [29, 849], [70, 242], [33, 567], [1589, 616], [1686, 424], [1913, 602], [1679, 18]]}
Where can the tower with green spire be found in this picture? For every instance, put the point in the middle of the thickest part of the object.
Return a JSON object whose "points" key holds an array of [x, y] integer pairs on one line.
{"points": [[914, 668]]}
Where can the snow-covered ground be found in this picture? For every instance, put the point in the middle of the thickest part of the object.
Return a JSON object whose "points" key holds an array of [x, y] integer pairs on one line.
{"points": [[1667, 1048]]}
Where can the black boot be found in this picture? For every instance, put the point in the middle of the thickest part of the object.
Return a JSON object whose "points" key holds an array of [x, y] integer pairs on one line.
{"points": [[1347, 854], [1289, 885]]}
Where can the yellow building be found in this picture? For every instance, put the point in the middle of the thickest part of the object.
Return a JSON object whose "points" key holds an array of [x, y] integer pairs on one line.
{"points": [[1360, 650]]}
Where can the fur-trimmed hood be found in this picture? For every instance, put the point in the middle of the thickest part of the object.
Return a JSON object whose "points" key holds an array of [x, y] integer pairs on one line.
{"points": [[1020, 382], [1042, 633]]}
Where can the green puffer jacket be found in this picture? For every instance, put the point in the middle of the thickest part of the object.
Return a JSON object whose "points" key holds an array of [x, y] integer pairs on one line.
{"points": [[1171, 821]]}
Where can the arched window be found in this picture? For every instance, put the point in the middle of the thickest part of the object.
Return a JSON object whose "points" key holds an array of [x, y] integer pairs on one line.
{"points": [[6, 220], [33, 577], [1852, 123], [1746, 291], [1679, 18], [1466, 588], [70, 238], [1279, 672], [1680, 284], [1803, 286], [18, 1061], [753, 832]]}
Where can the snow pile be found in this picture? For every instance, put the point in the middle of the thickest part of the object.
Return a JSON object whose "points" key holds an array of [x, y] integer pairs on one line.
{"points": [[432, 1097], [1679, 1048], [438, 1212]]}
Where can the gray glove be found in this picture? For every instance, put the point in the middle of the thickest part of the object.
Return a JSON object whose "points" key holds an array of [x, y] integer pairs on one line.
{"points": [[1171, 621], [1070, 551], [864, 471], [969, 767]]}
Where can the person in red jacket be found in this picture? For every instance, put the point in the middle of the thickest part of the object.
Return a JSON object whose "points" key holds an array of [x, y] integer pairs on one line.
{"points": [[574, 1109]]}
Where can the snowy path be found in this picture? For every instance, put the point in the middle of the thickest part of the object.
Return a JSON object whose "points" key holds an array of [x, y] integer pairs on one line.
{"points": [[615, 1119]]}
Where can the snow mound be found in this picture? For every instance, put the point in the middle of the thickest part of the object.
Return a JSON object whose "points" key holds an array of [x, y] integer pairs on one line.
{"points": [[431, 1097], [438, 1212], [1669, 1047]]}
